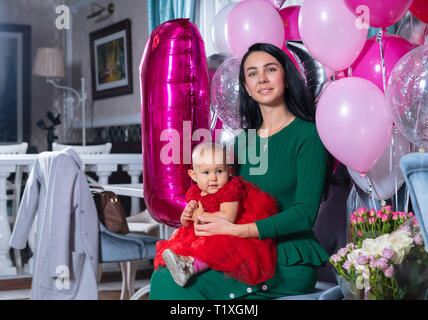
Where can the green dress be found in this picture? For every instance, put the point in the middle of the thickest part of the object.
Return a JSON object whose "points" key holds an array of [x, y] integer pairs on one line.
{"points": [[292, 168]]}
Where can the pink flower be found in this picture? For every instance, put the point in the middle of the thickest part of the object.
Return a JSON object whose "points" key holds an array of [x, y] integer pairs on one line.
{"points": [[342, 252], [402, 214], [394, 216], [415, 222], [365, 293], [385, 217], [389, 272], [360, 233], [360, 219], [350, 246], [372, 212], [373, 263], [362, 259], [347, 265], [335, 258], [387, 209], [418, 240], [382, 263], [371, 220], [404, 228], [379, 214], [411, 215], [387, 253]]}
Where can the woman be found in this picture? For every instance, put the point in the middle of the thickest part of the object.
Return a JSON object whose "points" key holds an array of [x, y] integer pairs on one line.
{"points": [[281, 112]]}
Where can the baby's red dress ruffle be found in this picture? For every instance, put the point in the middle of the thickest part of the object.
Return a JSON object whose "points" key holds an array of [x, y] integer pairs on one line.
{"points": [[248, 260]]}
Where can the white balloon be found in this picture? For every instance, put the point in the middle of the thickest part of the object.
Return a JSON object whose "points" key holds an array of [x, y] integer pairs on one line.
{"points": [[382, 178], [219, 29]]}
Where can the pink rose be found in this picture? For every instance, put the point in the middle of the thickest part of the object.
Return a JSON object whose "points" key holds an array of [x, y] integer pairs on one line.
{"points": [[385, 217], [347, 265], [418, 240], [379, 214], [350, 246], [387, 253], [342, 252], [388, 209], [389, 272], [372, 212], [382, 263], [335, 258], [362, 259]]}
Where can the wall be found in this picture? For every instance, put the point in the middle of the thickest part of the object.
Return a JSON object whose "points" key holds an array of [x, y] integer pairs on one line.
{"points": [[41, 16], [118, 110]]}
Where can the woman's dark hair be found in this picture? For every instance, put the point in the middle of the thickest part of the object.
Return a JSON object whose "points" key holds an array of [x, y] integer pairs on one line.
{"points": [[300, 101]]}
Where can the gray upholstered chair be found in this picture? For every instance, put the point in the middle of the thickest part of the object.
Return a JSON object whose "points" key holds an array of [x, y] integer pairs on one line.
{"points": [[121, 248]]}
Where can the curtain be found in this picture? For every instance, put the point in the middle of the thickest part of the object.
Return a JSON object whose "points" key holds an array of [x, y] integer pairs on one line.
{"points": [[160, 11]]}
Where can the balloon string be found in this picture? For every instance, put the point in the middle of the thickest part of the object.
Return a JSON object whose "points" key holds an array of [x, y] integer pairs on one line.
{"points": [[371, 191], [379, 40], [406, 208]]}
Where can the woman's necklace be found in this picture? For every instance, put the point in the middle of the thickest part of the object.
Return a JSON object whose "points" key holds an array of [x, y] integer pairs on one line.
{"points": [[286, 122]]}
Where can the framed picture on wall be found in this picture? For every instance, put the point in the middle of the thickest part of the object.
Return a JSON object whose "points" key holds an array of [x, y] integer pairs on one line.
{"points": [[15, 83], [111, 60]]}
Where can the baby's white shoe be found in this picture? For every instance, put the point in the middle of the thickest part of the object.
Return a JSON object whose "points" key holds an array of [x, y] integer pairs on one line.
{"points": [[180, 267]]}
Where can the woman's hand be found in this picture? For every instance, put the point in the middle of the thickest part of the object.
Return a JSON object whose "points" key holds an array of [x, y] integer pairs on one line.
{"points": [[207, 225]]}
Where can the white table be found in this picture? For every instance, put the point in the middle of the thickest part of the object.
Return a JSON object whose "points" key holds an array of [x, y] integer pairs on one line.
{"points": [[102, 164]]}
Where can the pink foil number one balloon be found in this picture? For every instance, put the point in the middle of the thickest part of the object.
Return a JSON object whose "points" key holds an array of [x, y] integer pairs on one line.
{"points": [[174, 103]]}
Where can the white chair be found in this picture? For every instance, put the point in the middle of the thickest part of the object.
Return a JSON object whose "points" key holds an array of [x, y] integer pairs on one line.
{"points": [[14, 188], [94, 149]]}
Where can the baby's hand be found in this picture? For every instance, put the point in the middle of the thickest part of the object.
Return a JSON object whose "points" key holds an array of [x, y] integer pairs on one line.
{"points": [[187, 213], [198, 212]]}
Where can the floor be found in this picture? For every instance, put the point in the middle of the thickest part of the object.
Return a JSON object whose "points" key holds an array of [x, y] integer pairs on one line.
{"points": [[107, 291], [109, 288]]}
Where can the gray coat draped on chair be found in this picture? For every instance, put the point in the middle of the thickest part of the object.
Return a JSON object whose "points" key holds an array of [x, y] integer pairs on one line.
{"points": [[66, 246]]}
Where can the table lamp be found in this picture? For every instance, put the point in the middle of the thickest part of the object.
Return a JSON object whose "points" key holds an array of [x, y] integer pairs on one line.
{"points": [[49, 63]]}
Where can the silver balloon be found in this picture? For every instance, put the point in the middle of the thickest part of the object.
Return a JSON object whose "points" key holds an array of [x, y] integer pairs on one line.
{"points": [[412, 29], [312, 70], [215, 61], [385, 176], [407, 96], [225, 93]]}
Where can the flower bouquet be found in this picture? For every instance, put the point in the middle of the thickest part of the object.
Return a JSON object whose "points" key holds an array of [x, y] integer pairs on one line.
{"points": [[386, 258]]}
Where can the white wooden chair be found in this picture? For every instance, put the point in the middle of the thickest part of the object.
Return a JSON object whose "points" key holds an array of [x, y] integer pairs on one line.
{"points": [[94, 149], [14, 188]]}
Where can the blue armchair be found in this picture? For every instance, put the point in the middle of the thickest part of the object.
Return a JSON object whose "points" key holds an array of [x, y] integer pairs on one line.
{"points": [[415, 171], [116, 247]]}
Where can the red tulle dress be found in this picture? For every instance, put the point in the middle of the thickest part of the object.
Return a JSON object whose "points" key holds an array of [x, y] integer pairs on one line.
{"points": [[248, 260]]}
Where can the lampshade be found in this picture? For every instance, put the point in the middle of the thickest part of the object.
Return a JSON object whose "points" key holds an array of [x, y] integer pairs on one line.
{"points": [[49, 62]]}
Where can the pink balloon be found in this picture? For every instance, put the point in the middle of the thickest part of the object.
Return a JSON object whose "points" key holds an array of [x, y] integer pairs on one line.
{"points": [[379, 14], [369, 64], [290, 19], [353, 122], [253, 21], [385, 176], [329, 31], [174, 103]]}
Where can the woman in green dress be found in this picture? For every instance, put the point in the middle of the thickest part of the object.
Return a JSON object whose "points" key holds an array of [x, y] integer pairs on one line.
{"points": [[290, 163]]}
